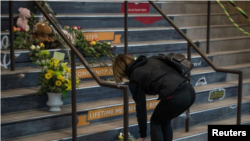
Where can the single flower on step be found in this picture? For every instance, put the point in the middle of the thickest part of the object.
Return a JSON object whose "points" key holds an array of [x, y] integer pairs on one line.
{"points": [[58, 83], [42, 45], [48, 75], [32, 47], [74, 27], [14, 29], [37, 47], [93, 42], [22, 29], [27, 28]]}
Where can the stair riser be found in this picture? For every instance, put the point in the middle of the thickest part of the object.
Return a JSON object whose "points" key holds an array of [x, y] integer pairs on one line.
{"points": [[202, 20], [188, 8], [216, 32], [231, 59], [226, 45], [115, 7], [108, 22], [32, 79], [31, 101], [16, 130], [97, 22]]}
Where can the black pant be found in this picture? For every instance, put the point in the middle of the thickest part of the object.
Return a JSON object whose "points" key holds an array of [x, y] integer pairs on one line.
{"points": [[166, 110]]}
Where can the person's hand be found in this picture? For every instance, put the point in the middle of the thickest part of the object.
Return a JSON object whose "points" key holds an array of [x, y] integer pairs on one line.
{"points": [[140, 139]]}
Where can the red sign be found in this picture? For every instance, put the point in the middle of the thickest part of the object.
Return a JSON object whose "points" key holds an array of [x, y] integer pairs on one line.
{"points": [[141, 8]]}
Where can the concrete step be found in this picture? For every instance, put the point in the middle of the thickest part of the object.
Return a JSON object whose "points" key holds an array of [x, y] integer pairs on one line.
{"points": [[26, 99], [199, 132], [201, 113], [115, 7], [25, 76], [106, 20]]}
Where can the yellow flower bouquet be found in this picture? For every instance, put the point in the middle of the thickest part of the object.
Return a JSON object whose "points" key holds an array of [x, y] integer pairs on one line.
{"points": [[56, 78]]}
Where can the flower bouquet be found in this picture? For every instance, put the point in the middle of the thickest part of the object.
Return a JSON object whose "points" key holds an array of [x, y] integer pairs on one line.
{"points": [[55, 80], [94, 49]]}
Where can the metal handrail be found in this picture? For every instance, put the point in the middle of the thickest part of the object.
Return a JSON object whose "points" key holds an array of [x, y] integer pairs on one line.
{"points": [[93, 74], [239, 72]]}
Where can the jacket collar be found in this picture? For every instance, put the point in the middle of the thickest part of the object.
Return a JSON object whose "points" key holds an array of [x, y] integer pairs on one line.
{"points": [[141, 60]]}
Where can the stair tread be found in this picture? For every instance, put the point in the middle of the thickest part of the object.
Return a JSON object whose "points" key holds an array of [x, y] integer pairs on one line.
{"points": [[32, 114], [210, 69], [223, 52], [121, 1], [107, 15], [155, 28], [141, 43], [92, 83], [116, 124]]}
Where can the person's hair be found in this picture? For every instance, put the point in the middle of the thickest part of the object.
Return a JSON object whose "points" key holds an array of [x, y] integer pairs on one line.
{"points": [[120, 65]]}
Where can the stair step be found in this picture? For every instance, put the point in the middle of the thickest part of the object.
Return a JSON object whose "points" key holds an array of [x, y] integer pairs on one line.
{"points": [[117, 124], [181, 135], [106, 20]]}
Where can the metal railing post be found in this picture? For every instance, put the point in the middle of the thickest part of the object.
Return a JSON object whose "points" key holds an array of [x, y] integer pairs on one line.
{"points": [[12, 56], [188, 76], [73, 96], [125, 27], [208, 26], [126, 113], [239, 98]]}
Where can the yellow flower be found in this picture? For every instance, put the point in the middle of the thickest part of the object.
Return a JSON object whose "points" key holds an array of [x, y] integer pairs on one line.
{"points": [[50, 71], [58, 83], [68, 85], [42, 45], [68, 70], [61, 78], [77, 81], [48, 75], [93, 42]]}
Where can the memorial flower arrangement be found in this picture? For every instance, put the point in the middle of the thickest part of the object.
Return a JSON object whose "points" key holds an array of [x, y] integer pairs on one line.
{"points": [[55, 77], [94, 49]]}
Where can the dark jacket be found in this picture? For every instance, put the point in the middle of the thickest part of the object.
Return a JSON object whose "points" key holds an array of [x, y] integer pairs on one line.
{"points": [[150, 76]]}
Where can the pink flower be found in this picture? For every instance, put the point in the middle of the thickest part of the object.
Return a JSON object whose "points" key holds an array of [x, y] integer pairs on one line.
{"points": [[74, 27], [78, 27], [22, 29], [89, 43], [18, 29]]}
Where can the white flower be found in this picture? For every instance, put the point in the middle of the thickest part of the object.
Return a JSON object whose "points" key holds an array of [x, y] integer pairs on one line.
{"points": [[43, 61], [32, 47], [45, 68], [27, 28], [109, 43], [37, 47]]}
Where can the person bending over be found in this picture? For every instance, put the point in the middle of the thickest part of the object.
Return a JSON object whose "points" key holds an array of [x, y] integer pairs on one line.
{"points": [[152, 76]]}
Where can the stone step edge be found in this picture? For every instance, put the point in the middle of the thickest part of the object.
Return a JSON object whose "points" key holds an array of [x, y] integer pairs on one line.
{"points": [[92, 84], [22, 70], [141, 43], [121, 1], [117, 15], [66, 110], [133, 122]]}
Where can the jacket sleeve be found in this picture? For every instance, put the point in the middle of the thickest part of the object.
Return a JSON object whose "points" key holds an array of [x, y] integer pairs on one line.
{"points": [[141, 111]]}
